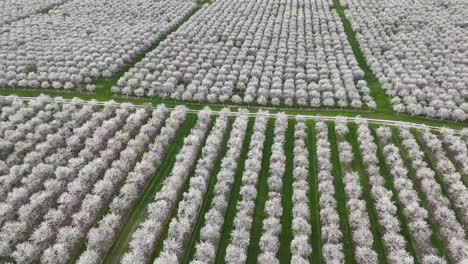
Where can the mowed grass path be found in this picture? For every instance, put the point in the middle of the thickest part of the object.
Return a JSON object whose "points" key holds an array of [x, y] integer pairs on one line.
{"points": [[316, 241], [376, 90], [286, 196], [340, 196], [138, 213]]}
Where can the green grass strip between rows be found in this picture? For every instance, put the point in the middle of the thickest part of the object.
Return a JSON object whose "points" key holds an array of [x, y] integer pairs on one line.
{"points": [[316, 237], [286, 196], [340, 196]]}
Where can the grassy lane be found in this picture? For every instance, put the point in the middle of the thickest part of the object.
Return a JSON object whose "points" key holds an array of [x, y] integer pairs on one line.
{"points": [[231, 209], [262, 195], [316, 242], [160, 243], [340, 196], [358, 166], [435, 239], [195, 235], [385, 172], [438, 175], [376, 90], [286, 196], [138, 213]]}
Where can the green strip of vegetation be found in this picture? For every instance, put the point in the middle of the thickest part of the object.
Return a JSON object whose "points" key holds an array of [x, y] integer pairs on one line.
{"points": [[340, 196], [385, 172], [377, 92], [435, 239], [316, 241], [195, 236], [160, 243], [286, 196], [358, 166], [138, 213], [262, 195], [234, 197]]}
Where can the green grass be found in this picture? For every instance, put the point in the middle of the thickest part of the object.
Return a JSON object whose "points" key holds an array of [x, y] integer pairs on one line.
{"points": [[435, 239], [376, 90], [385, 172], [340, 196], [159, 245], [195, 236], [234, 195], [316, 241], [262, 195], [358, 166], [286, 196], [138, 213]]}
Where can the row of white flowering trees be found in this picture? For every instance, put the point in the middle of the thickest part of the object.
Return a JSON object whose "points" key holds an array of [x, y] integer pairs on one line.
{"points": [[276, 52], [76, 175], [418, 51], [301, 226], [79, 41], [271, 227], [332, 235]]}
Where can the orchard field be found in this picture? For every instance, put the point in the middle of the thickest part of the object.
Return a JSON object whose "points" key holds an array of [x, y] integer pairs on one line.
{"points": [[250, 131]]}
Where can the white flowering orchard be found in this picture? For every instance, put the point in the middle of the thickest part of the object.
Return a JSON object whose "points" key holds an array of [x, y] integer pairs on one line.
{"points": [[419, 52], [80, 41], [264, 52], [92, 182]]}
